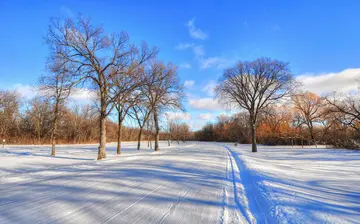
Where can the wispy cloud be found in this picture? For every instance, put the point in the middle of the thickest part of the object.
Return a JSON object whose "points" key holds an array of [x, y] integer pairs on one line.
{"points": [[207, 103], [217, 62], [78, 95], [184, 46], [185, 65], [344, 81], [199, 51], [206, 116], [195, 32], [209, 88], [183, 116], [204, 61], [189, 83]]}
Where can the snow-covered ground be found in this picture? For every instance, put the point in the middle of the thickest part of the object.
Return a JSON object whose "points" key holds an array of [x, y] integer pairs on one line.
{"points": [[192, 182], [300, 185]]}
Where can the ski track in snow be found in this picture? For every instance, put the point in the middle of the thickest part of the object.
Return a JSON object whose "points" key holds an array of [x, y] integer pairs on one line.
{"points": [[195, 182]]}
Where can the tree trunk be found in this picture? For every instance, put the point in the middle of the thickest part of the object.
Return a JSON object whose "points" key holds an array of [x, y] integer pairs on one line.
{"points": [[102, 152], [157, 130], [169, 138], [139, 139], [119, 135], [54, 127], [253, 137]]}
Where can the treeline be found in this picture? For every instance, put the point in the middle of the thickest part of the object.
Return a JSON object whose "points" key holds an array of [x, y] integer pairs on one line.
{"points": [[128, 82], [305, 119], [30, 122]]}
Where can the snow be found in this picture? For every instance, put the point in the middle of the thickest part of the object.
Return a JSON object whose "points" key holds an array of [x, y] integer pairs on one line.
{"points": [[194, 182], [300, 185]]}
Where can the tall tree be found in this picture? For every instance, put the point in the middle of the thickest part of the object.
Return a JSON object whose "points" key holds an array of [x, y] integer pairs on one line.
{"points": [[163, 92], [255, 85], [127, 90], [94, 56], [56, 85]]}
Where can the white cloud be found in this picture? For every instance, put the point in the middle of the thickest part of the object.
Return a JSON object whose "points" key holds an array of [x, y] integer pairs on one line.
{"points": [[343, 81], [209, 88], [183, 116], [185, 65], [206, 104], [217, 62], [78, 95], [184, 46], [206, 116], [195, 32], [199, 51], [189, 83], [26, 91], [82, 95]]}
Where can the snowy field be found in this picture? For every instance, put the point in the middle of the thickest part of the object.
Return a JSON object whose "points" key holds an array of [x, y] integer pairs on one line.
{"points": [[192, 182]]}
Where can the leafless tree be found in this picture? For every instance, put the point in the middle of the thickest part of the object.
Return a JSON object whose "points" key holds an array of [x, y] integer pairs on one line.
{"points": [[9, 106], [56, 86], [255, 85], [141, 112], [309, 109], [346, 108], [163, 92], [38, 118], [94, 56], [127, 90]]}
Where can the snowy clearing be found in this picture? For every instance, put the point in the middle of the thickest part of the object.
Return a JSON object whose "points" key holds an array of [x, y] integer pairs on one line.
{"points": [[192, 182]]}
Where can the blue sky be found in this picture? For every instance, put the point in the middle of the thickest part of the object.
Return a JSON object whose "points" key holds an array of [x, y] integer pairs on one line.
{"points": [[320, 40]]}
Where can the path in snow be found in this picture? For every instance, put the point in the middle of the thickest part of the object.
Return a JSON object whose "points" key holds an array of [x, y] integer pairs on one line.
{"points": [[190, 183]]}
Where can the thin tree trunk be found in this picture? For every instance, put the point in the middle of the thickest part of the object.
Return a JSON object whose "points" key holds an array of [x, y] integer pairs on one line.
{"points": [[119, 135], [253, 137], [157, 130], [139, 138], [102, 152], [54, 128], [169, 138]]}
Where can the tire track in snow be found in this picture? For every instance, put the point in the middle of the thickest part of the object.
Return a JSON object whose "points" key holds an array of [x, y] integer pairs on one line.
{"points": [[173, 206], [132, 204], [242, 203]]}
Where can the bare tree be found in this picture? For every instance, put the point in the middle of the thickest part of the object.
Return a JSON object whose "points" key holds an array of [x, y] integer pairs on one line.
{"points": [[127, 90], [309, 110], [92, 55], [141, 112], [163, 91], [346, 108], [255, 85], [56, 86], [9, 106], [38, 118]]}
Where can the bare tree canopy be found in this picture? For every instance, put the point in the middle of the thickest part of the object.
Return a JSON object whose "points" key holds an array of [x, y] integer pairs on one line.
{"points": [[163, 92], [255, 85], [346, 108], [92, 55]]}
